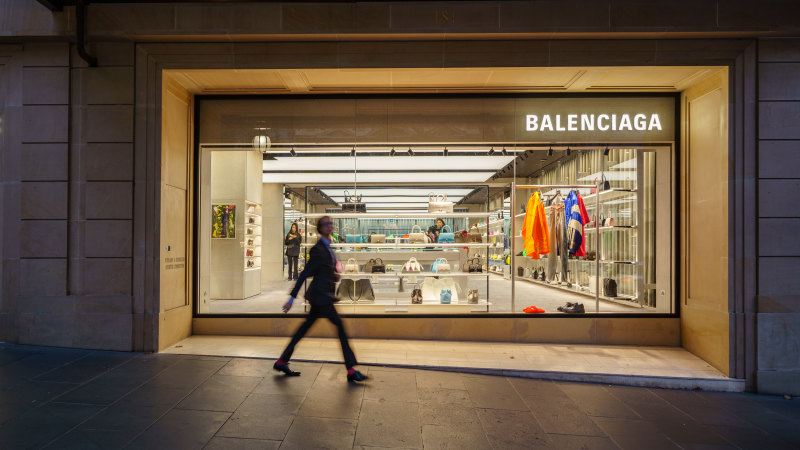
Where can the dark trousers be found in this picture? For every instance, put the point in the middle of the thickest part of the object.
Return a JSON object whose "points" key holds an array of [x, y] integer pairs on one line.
{"points": [[292, 267], [329, 312]]}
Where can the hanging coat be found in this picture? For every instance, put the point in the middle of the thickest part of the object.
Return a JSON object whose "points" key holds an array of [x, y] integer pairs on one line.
{"points": [[535, 235], [576, 218]]}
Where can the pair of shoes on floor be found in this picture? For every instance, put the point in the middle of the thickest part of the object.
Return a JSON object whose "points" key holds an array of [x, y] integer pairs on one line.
{"points": [[356, 376], [533, 310], [573, 308], [285, 369]]}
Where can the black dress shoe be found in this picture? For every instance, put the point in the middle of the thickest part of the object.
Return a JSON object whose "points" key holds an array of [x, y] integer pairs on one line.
{"points": [[356, 376], [285, 369]]}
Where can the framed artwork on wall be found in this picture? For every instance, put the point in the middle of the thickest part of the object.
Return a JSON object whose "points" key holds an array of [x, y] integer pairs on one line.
{"points": [[223, 221]]}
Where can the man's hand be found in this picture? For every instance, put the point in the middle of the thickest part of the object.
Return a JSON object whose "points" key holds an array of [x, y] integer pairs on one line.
{"points": [[288, 305]]}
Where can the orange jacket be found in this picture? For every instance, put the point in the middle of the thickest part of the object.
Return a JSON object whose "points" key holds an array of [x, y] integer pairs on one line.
{"points": [[535, 235]]}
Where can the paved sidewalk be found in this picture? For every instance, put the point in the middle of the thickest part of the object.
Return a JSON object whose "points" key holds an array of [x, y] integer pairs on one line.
{"points": [[64, 398]]}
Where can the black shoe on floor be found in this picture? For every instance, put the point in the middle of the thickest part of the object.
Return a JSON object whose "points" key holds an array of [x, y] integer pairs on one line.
{"points": [[356, 376], [285, 369], [575, 308]]}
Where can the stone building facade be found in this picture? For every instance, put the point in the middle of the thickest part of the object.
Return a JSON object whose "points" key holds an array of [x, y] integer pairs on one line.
{"points": [[93, 186]]}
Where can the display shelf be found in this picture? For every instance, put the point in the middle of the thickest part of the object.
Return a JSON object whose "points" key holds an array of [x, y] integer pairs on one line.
{"points": [[627, 300], [608, 194], [394, 215], [616, 227], [389, 245], [413, 274]]}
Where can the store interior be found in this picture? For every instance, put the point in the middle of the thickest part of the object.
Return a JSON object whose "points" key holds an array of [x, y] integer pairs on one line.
{"points": [[529, 227]]}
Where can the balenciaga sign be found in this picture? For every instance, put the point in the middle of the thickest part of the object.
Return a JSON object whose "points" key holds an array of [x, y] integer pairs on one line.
{"points": [[625, 119]]}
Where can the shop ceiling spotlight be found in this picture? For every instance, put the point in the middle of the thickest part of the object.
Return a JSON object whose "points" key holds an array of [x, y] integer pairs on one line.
{"points": [[550, 151], [292, 152], [568, 150], [261, 141], [445, 151], [410, 152], [606, 151], [504, 152], [392, 152], [491, 151], [353, 152]]}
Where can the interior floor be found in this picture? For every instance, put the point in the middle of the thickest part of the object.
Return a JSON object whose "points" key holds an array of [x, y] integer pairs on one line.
{"points": [[275, 293]]}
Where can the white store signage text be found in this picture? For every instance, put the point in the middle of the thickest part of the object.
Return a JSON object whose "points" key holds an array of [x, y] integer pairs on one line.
{"points": [[592, 122]]}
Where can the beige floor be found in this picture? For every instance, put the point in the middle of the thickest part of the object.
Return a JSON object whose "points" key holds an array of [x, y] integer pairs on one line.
{"points": [[628, 365]]}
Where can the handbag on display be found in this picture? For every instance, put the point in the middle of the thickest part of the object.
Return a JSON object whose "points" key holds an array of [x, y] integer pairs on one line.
{"points": [[541, 274], [353, 203], [472, 297], [417, 237], [445, 295], [351, 266], [355, 290], [440, 266], [345, 289], [474, 234], [439, 204], [446, 237], [520, 271], [249, 252], [609, 287], [604, 185], [609, 222], [461, 237], [375, 266], [473, 265], [412, 266], [416, 295], [375, 238]]}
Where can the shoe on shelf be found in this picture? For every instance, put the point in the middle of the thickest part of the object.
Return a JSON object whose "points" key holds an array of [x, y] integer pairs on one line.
{"points": [[533, 310], [356, 376], [575, 308], [566, 306], [285, 369]]}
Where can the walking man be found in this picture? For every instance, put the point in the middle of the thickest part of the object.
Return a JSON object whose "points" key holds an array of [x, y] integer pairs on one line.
{"points": [[321, 267]]}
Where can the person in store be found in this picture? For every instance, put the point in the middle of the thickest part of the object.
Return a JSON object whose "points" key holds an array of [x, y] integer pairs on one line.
{"points": [[433, 231], [322, 267], [292, 242]]}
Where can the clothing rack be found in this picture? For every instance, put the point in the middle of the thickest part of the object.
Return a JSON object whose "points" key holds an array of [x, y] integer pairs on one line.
{"points": [[595, 186]]}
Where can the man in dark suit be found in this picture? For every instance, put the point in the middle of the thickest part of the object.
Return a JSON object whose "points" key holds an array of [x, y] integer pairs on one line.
{"points": [[321, 267]]}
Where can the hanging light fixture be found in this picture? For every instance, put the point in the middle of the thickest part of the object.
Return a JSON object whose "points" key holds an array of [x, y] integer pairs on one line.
{"points": [[445, 151], [353, 151], [261, 141], [568, 150], [550, 151], [606, 151]]}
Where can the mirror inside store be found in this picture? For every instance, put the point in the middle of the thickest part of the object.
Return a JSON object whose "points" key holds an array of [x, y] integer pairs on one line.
{"points": [[444, 228]]}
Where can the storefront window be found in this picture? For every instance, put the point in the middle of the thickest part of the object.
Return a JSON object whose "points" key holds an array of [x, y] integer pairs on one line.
{"points": [[455, 205]]}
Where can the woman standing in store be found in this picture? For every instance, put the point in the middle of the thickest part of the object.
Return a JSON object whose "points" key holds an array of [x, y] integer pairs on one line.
{"points": [[292, 241], [433, 231]]}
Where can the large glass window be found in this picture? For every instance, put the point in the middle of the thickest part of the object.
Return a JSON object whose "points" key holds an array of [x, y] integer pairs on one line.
{"points": [[439, 206]]}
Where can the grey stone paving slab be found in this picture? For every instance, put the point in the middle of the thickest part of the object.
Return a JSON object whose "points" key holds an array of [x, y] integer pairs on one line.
{"points": [[634, 433], [555, 411], [385, 423], [438, 396], [439, 380], [646, 404], [391, 386], [493, 392], [138, 410], [30, 394], [220, 393], [320, 432], [342, 401], [226, 443], [84, 369], [596, 402], [35, 364], [569, 442], [13, 353], [78, 439], [257, 425], [753, 438], [246, 367], [777, 425], [40, 425], [451, 437], [274, 382], [689, 432], [187, 373], [120, 381], [181, 429], [513, 429], [448, 415]]}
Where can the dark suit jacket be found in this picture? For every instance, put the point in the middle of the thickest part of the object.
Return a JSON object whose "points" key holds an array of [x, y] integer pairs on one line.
{"points": [[322, 269]]}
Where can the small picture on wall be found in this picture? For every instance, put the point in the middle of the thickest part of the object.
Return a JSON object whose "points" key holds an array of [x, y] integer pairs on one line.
{"points": [[223, 221]]}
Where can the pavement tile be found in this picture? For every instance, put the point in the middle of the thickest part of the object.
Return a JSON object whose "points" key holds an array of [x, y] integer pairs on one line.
{"points": [[30, 394], [246, 367], [84, 369], [43, 424], [228, 443], [513, 429], [220, 393], [777, 425], [553, 409], [120, 381], [431, 413], [634, 433], [438, 396], [396, 386], [275, 383], [439, 380], [79, 439], [34, 364], [138, 410], [320, 432], [646, 404], [595, 401], [753, 438], [454, 437], [181, 429], [389, 424], [569, 442], [257, 425], [11, 353], [340, 402], [690, 432], [493, 392], [186, 373]]}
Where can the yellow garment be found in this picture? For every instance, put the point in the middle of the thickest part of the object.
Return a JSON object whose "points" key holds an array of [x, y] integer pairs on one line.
{"points": [[535, 235]]}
